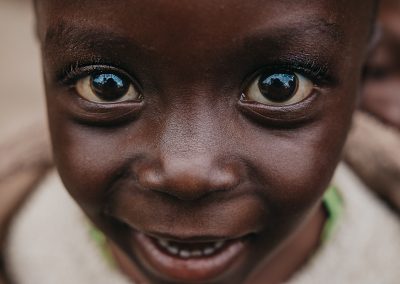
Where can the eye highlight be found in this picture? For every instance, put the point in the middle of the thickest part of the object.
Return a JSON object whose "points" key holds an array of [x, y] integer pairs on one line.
{"points": [[279, 89], [107, 88]]}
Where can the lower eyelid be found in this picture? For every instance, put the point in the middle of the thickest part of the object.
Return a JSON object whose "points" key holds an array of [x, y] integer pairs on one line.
{"points": [[294, 114], [108, 118], [91, 113]]}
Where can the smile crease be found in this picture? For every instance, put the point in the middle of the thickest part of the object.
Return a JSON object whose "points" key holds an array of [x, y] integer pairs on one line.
{"points": [[186, 250]]}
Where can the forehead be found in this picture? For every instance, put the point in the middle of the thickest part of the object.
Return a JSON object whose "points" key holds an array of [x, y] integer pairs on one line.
{"points": [[191, 21]]}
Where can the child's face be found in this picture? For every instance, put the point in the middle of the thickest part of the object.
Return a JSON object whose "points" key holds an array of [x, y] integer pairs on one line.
{"points": [[208, 123], [381, 94]]}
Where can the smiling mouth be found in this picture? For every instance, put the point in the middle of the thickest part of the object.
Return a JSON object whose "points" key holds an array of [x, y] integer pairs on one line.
{"points": [[191, 250], [187, 261]]}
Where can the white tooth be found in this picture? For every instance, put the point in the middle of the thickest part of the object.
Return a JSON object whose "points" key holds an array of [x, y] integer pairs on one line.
{"points": [[208, 251], [172, 250], [219, 244], [184, 254], [197, 253], [163, 243]]}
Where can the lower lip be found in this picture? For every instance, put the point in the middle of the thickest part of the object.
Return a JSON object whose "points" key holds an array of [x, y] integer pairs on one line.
{"points": [[191, 269]]}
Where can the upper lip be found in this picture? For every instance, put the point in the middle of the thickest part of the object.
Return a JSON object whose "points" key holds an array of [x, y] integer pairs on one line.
{"points": [[228, 220], [188, 235]]}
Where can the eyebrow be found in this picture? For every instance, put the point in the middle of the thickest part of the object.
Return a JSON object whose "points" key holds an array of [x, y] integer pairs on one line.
{"points": [[331, 29], [313, 33], [73, 37]]}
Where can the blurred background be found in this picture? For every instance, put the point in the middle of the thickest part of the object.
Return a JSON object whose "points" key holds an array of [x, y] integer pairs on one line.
{"points": [[21, 92]]}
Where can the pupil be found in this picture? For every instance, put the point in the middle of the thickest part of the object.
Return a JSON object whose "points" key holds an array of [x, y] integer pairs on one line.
{"points": [[109, 87], [278, 87]]}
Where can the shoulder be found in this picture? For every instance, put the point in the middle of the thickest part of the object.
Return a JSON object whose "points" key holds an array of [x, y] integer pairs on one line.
{"points": [[25, 159], [63, 238], [365, 248]]}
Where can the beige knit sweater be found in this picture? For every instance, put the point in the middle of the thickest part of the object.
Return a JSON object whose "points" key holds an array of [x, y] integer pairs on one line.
{"points": [[51, 231]]}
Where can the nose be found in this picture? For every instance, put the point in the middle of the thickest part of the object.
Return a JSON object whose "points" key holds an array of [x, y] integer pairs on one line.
{"points": [[193, 159], [189, 178]]}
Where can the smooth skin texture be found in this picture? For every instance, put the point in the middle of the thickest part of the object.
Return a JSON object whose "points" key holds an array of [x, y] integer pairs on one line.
{"points": [[381, 94], [192, 156]]}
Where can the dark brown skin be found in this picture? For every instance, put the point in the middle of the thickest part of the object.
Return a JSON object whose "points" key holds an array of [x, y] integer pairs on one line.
{"points": [[381, 94], [191, 158]]}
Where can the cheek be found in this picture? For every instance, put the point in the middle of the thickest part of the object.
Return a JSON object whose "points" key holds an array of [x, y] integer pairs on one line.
{"points": [[297, 166], [84, 162], [88, 159], [296, 174]]}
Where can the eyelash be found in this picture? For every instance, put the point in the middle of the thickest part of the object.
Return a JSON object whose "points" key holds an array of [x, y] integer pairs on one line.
{"points": [[318, 73], [74, 72]]}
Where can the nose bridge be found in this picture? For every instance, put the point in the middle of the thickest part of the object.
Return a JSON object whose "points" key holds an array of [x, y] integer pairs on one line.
{"points": [[190, 131], [190, 157], [189, 152]]}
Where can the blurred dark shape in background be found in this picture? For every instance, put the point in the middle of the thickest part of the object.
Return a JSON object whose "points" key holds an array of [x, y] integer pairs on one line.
{"points": [[381, 95], [373, 148]]}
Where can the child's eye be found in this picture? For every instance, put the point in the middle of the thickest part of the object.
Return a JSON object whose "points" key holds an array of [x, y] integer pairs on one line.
{"points": [[279, 89], [106, 88]]}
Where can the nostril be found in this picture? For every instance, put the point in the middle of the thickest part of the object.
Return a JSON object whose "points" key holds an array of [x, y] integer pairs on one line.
{"points": [[187, 181], [188, 188]]}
